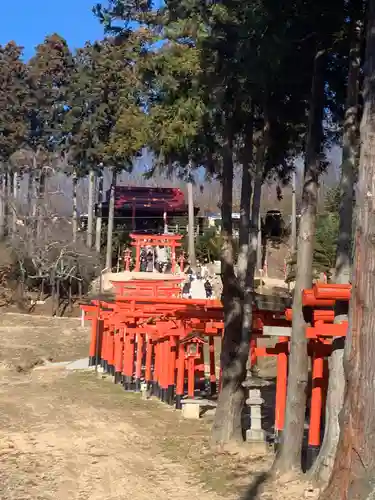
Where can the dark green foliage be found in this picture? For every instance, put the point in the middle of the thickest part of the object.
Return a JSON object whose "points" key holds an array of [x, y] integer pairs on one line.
{"points": [[324, 259], [332, 200], [227, 67], [105, 121], [13, 93], [48, 77], [326, 242], [208, 246]]}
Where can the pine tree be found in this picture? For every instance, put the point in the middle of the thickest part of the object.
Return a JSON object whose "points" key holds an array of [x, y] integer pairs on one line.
{"points": [[13, 94], [48, 79], [225, 66], [105, 123], [354, 464]]}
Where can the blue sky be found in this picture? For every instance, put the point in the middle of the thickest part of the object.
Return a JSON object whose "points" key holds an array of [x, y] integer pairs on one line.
{"points": [[28, 22]]}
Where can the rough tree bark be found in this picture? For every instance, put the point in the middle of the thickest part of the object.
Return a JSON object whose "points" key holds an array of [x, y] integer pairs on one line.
{"points": [[6, 203], [245, 202], [33, 194], [354, 467], [323, 465], [111, 214], [90, 208], [256, 258], [14, 203], [288, 459], [74, 200], [2, 205], [40, 187], [98, 229], [30, 186], [227, 425], [10, 207], [245, 246], [253, 239], [191, 231]]}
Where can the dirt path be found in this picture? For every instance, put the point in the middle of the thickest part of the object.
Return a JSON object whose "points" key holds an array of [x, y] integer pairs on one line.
{"points": [[74, 436], [55, 444]]}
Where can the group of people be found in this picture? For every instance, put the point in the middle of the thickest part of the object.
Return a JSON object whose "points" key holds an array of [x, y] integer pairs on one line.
{"points": [[198, 285], [156, 259]]}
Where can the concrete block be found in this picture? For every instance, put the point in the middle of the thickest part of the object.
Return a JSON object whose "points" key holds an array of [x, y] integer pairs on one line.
{"points": [[80, 364], [191, 410], [255, 435]]}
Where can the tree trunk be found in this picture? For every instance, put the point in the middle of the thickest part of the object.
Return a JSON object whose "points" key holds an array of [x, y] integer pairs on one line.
{"points": [[34, 191], [294, 215], [2, 204], [6, 202], [256, 224], [40, 187], [9, 201], [289, 456], [244, 264], [255, 245], [90, 208], [191, 232], [227, 424], [31, 207], [322, 468], [30, 186], [111, 214], [245, 202], [57, 297], [354, 467], [253, 239], [53, 294], [98, 231], [14, 204], [252, 257], [74, 199]]}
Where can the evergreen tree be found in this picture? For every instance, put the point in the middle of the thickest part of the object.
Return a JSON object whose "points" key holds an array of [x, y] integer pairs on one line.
{"points": [[105, 123], [231, 85], [13, 93], [49, 73], [48, 79]]}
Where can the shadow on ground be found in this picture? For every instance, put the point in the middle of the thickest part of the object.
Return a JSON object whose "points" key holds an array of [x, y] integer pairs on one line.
{"points": [[254, 489]]}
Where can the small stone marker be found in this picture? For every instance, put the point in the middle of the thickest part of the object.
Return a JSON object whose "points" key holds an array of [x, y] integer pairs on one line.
{"points": [[255, 435], [191, 409], [145, 392]]}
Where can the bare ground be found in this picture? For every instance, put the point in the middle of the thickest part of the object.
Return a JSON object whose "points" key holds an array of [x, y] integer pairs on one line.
{"points": [[76, 436]]}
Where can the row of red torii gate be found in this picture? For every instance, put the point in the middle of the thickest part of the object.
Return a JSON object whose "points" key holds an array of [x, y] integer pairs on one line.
{"points": [[152, 340]]}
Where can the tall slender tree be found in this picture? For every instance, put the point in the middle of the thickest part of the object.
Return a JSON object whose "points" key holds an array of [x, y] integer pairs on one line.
{"points": [[208, 81], [49, 73], [290, 454], [13, 93], [322, 468], [354, 467]]}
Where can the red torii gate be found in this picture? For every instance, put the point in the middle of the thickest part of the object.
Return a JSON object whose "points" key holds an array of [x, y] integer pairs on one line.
{"points": [[171, 241]]}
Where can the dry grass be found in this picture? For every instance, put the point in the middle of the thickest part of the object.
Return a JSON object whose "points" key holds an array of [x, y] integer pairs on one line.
{"points": [[28, 340], [76, 436]]}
